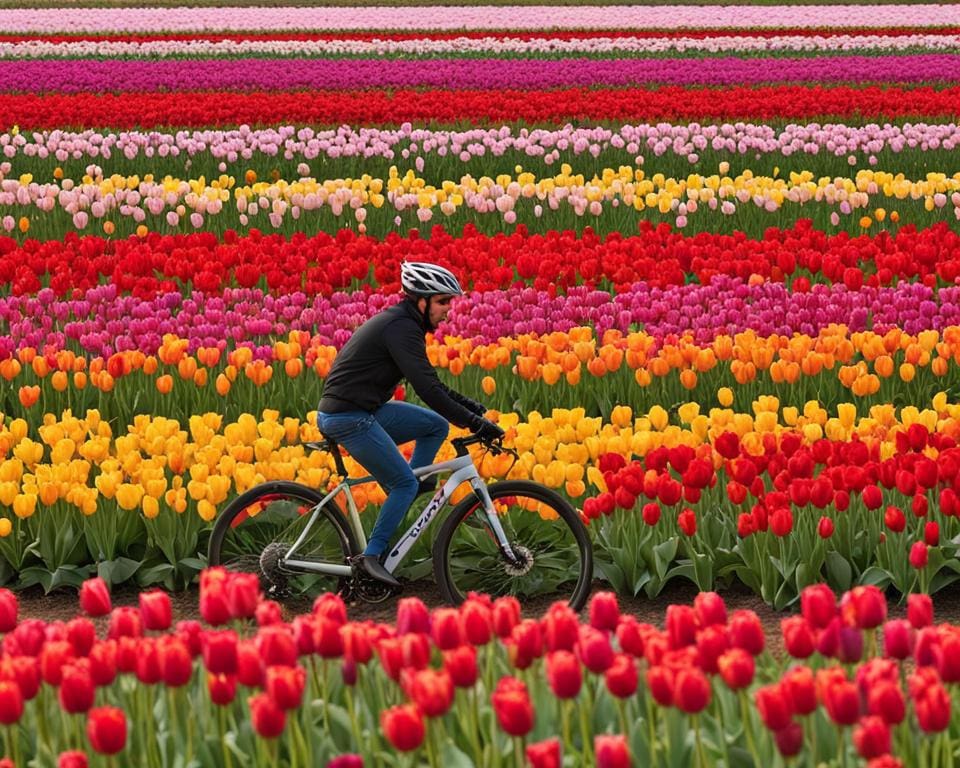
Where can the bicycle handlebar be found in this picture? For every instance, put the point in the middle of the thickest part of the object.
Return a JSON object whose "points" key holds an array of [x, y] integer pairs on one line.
{"points": [[494, 446]]}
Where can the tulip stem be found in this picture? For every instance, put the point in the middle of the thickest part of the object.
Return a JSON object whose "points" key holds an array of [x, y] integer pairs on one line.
{"points": [[222, 717], [7, 743], [324, 693], [624, 724], [748, 727], [431, 744], [652, 726], [701, 759], [473, 717], [518, 751], [586, 710], [354, 725], [841, 748], [565, 705], [947, 750]]}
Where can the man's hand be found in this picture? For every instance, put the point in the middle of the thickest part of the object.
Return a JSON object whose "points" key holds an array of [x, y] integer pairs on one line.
{"points": [[487, 431]]}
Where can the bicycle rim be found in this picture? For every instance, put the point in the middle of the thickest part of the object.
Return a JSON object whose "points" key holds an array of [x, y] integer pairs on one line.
{"points": [[554, 547], [264, 529]]}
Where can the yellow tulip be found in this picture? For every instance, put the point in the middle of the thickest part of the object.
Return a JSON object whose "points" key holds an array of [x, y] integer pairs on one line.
{"points": [[24, 505], [129, 495]]}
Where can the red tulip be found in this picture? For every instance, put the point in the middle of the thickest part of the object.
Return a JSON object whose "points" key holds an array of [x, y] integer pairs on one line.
{"points": [[872, 497], [222, 688], [864, 607], [631, 636], [327, 640], [871, 737], [737, 668], [25, 671], [660, 682], [128, 652], [789, 740], [947, 654], [72, 759], [285, 685], [446, 628], [818, 604], [9, 607], [687, 522], [430, 689], [243, 594], [919, 610], [461, 664], [799, 685], [560, 627], [356, 642], [894, 519], [81, 634], [27, 639], [191, 632], [604, 611], [95, 597], [932, 706], [886, 700], [155, 610], [268, 613], [691, 690], [403, 727], [825, 528], [107, 730], [267, 718], [53, 657], [345, 761], [276, 645], [544, 754], [564, 674], [11, 702], [681, 626], [594, 649], [214, 604], [148, 668], [176, 663], [525, 643], [125, 621], [476, 621], [330, 606], [711, 643], [746, 632], [850, 645], [612, 751], [512, 706], [506, 615], [220, 652], [842, 701], [622, 676], [413, 616], [774, 706], [250, 664], [709, 608], [415, 651], [897, 639], [651, 513], [918, 555], [76, 688], [798, 637]]}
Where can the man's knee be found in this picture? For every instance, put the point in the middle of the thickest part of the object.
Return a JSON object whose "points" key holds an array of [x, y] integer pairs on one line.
{"points": [[439, 426], [405, 487]]}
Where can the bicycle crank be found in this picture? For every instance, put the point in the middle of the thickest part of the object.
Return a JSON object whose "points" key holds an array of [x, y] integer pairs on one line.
{"points": [[271, 566]]}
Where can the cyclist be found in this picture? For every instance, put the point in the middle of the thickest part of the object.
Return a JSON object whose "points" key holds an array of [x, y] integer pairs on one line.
{"points": [[356, 409]]}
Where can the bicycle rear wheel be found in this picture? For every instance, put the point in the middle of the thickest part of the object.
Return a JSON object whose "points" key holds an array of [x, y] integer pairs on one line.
{"points": [[258, 528], [541, 527]]}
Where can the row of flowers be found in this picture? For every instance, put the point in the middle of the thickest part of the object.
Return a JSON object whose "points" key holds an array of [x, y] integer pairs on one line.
{"points": [[202, 108], [85, 75], [101, 323], [438, 18], [259, 147], [479, 683], [611, 198], [724, 490], [97, 269], [495, 45]]}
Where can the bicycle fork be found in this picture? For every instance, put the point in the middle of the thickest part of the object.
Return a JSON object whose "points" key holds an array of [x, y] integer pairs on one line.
{"points": [[506, 548]]}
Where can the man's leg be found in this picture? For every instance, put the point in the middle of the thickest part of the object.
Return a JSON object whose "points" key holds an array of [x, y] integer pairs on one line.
{"points": [[405, 422], [370, 445]]}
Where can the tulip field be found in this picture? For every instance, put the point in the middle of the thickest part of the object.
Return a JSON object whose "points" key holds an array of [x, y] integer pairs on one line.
{"points": [[711, 260]]}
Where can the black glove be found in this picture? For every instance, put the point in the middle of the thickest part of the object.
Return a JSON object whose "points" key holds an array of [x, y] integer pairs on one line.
{"points": [[486, 430]]}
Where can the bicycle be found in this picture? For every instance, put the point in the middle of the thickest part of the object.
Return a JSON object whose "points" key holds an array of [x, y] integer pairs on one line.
{"points": [[511, 537]]}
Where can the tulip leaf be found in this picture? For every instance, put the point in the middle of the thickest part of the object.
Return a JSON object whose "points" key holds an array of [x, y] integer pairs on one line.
{"points": [[875, 576], [663, 555], [839, 571], [162, 573], [451, 757], [117, 571], [31, 577]]}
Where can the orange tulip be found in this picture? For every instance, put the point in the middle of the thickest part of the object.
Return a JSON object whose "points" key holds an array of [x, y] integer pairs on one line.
{"points": [[79, 380], [596, 367], [907, 372], [939, 367], [688, 378], [10, 368], [24, 224], [150, 365], [105, 382], [223, 385], [643, 377], [457, 365], [883, 365], [293, 367], [186, 367], [200, 377], [26, 355], [29, 395], [165, 384], [573, 377], [551, 373], [528, 367], [59, 381], [489, 385]]}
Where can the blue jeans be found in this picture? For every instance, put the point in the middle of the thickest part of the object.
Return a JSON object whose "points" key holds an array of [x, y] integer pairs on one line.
{"points": [[372, 439]]}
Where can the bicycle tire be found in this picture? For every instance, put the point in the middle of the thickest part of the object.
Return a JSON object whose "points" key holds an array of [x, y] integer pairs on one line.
{"points": [[282, 505], [457, 571]]}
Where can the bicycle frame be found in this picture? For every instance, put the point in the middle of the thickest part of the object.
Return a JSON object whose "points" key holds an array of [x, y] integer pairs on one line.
{"points": [[462, 469]]}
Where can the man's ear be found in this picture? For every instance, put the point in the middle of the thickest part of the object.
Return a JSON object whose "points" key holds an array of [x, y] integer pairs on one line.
{"points": [[422, 304]]}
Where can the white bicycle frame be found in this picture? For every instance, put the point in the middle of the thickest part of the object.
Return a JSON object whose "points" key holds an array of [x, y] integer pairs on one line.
{"points": [[462, 470]]}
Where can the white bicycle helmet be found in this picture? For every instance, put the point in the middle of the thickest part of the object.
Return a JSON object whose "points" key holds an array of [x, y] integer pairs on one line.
{"points": [[423, 279]]}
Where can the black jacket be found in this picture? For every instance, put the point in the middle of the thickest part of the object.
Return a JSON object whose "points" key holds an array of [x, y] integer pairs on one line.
{"points": [[388, 347]]}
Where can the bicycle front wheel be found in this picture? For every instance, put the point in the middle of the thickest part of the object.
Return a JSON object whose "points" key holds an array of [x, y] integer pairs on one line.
{"points": [[543, 530], [258, 528]]}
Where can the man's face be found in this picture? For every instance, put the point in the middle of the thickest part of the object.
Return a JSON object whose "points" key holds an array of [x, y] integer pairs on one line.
{"points": [[439, 308]]}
